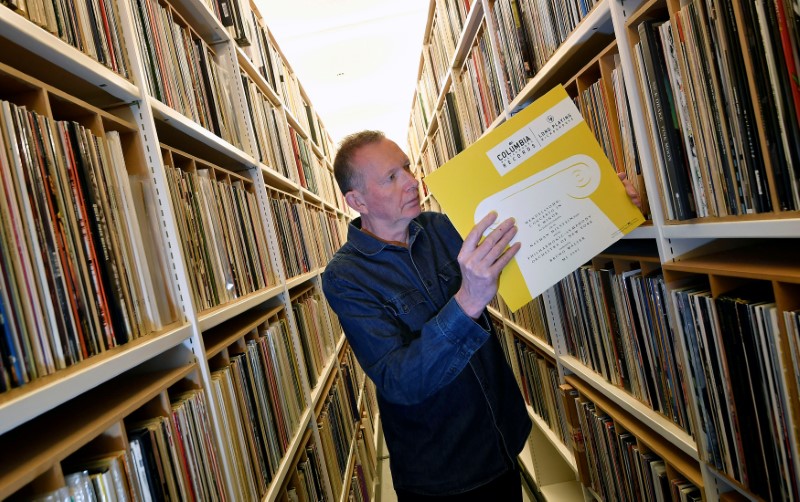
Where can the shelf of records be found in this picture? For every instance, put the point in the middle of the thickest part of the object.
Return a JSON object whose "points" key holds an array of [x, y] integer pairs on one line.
{"points": [[148, 432], [76, 36], [88, 280], [255, 376], [618, 459], [308, 235], [339, 424], [729, 77], [80, 278], [217, 216], [346, 460], [734, 171], [547, 459], [737, 316], [188, 72], [306, 480], [255, 41], [500, 62], [144, 431], [599, 92], [690, 351], [259, 379]]}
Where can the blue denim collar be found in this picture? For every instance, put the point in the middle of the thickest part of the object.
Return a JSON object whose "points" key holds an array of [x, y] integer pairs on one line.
{"points": [[369, 245]]}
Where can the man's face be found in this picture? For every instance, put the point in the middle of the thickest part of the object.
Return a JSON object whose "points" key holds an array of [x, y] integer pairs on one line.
{"points": [[387, 190]]}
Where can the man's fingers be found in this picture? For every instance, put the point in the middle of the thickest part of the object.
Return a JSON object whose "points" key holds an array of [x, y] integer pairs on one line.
{"points": [[474, 236], [497, 240], [506, 257]]}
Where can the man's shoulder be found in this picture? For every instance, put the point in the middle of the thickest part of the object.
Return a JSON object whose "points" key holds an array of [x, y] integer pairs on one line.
{"points": [[433, 220], [438, 225], [341, 257]]}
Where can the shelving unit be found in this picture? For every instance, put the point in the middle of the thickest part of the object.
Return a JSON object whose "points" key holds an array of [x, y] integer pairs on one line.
{"points": [[185, 177], [614, 329]]}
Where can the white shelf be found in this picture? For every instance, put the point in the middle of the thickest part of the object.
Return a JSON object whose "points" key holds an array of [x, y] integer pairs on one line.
{"points": [[203, 20], [277, 180], [26, 34], [562, 492], [218, 315], [300, 279], [187, 126], [655, 421], [642, 232], [779, 228], [251, 70], [562, 449]]}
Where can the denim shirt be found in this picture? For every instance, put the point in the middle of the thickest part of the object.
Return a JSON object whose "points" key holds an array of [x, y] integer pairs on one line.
{"points": [[452, 413]]}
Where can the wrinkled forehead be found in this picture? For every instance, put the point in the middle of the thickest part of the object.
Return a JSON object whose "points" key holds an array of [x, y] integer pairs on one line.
{"points": [[379, 158]]}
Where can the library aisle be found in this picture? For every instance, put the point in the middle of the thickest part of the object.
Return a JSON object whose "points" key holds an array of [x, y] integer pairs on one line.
{"points": [[167, 208]]}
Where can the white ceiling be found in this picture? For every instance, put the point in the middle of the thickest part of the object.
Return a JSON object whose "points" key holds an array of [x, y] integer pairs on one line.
{"points": [[357, 60]]}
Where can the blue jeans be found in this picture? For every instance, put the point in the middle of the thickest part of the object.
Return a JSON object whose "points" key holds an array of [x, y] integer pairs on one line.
{"points": [[506, 488]]}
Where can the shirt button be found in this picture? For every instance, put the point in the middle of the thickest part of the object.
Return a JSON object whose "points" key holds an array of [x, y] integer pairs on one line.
{"points": [[429, 283]]}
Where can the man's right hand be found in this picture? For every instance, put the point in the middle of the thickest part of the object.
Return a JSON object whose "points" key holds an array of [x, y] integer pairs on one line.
{"points": [[482, 261]]}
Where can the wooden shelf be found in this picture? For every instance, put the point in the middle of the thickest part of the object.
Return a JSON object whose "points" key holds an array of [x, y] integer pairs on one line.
{"points": [[774, 261], [37, 445], [596, 386], [656, 438]]}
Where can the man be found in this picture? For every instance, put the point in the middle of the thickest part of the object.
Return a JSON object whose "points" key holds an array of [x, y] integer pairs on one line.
{"points": [[411, 297]]}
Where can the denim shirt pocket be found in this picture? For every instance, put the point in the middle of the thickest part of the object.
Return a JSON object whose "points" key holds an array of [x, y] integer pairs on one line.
{"points": [[450, 277], [409, 308]]}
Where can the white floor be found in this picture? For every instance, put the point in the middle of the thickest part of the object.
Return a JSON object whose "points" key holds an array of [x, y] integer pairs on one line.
{"points": [[385, 489]]}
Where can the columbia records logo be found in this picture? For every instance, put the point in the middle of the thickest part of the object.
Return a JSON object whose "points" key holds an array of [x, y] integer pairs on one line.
{"points": [[527, 139]]}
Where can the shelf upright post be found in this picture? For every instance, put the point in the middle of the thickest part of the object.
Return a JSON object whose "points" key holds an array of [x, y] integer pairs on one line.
{"points": [[168, 227], [668, 249]]}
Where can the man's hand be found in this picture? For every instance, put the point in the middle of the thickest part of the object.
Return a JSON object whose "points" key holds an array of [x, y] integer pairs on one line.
{"points": [[630, 190], [482, 261]]}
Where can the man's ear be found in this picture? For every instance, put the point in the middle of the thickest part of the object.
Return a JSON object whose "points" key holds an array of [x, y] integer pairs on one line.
{"points": [[355, 200]]}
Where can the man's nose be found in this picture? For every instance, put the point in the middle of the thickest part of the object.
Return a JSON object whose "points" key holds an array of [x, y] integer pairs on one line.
{"points": [[412, 180]]}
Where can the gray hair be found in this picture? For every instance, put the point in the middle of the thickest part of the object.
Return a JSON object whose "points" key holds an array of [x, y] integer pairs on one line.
{"points": [[343, 169]]}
